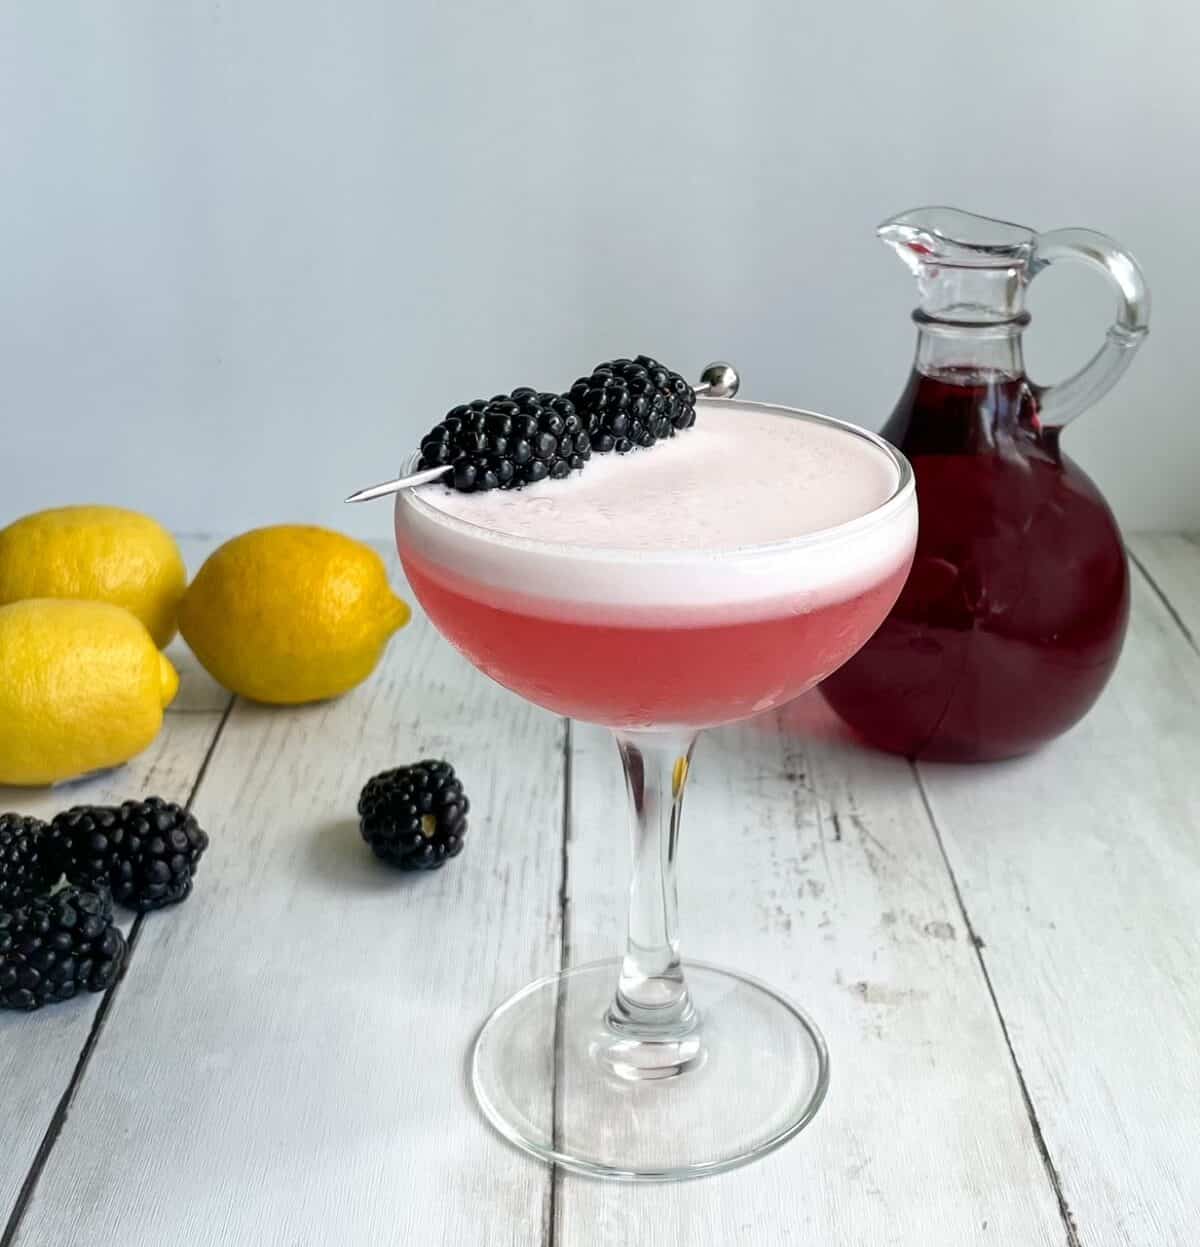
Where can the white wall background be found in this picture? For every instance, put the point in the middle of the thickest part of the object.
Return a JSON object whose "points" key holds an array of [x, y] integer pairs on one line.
{"points": [[250, 249]]}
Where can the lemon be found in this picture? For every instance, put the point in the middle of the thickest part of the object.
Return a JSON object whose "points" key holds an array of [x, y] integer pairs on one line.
{"points": [[291, 614], [82, 687], [100, 553]]}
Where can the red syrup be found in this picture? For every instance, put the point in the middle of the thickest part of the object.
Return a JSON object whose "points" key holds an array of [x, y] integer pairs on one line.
{"points": [[1013, 616]]}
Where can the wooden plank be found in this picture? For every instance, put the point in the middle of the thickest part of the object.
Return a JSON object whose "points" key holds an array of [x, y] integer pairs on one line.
{"points": [[286, 1060], [1080, 869], [812, 864], [1171, 561], [39, 1051]]}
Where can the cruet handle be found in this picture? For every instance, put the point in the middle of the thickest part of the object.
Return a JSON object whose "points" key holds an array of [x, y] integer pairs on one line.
{"points": [[1061, 403]]}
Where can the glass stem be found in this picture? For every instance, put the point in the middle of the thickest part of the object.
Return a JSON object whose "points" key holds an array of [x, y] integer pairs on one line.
{"points": [[652, 1001]]}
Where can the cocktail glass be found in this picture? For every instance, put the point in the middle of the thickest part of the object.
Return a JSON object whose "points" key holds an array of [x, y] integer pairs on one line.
{"points": [[624, 1068]]}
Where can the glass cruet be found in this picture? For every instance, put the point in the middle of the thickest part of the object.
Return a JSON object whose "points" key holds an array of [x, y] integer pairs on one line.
{"points": [[1014, 612]]}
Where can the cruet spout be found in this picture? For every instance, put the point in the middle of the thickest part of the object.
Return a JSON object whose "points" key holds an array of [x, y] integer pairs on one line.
{"points": [[972, 269]]}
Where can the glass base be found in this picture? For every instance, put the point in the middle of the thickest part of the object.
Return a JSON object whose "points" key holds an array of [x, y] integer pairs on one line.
{"points": [[557, 1081]]}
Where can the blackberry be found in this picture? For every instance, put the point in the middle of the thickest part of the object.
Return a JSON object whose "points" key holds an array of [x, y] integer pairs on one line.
{"points": [[508, 441], [414, 817], [55, 946], [633, 402], [145, 851], [25, 867]]}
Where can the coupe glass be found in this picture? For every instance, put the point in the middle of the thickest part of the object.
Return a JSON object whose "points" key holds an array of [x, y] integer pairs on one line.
{"points": [[624, 1068]]}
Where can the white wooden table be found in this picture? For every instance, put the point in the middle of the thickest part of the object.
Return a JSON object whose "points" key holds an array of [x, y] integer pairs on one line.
{"points": [[1005, 961]]}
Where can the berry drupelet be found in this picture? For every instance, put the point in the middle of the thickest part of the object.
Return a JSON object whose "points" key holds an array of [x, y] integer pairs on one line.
{"points": [[146, 852], [52, 947], [414, 817], [26, 868], [632, 402], [508, 441]]}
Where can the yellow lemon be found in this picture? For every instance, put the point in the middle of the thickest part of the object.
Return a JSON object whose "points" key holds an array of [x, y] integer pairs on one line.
{"points": [[291, 614], [103, 554], [82, 687]]}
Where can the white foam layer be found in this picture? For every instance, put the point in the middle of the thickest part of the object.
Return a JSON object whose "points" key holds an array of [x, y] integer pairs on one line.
{"points": [[750, 512], [740, 477]]}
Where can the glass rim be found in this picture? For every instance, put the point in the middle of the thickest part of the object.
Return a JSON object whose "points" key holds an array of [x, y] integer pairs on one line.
{"points": [[896, 500]]}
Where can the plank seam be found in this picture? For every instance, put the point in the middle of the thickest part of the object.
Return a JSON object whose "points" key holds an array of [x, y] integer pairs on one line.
{"points": [[550, 1229], [58, 1118], [1039, 1138], [1166, 601]]}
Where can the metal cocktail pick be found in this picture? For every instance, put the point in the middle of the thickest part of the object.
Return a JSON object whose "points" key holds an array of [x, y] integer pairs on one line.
{"points": [[718, 380]]}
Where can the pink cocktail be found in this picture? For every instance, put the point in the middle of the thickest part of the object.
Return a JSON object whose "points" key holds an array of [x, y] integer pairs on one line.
{"points": [[702, 673], [700, 581], [721, 575]]}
